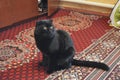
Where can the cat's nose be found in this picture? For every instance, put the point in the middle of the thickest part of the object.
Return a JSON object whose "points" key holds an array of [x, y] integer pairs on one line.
{"points": [[49, 30]]}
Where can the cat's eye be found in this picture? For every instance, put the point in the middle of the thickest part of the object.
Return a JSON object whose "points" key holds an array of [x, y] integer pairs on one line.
{"points": [[45, 28], [51, 27]]}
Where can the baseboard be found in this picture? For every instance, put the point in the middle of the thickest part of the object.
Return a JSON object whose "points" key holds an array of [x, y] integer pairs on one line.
{"points": [[92, 7]]}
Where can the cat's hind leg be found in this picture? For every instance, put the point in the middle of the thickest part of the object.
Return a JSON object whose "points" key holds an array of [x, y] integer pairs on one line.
{"points": [[66, 61], [67, 56]]}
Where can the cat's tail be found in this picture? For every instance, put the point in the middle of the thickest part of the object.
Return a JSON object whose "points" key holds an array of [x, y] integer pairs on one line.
{"points": [[90, 64]]}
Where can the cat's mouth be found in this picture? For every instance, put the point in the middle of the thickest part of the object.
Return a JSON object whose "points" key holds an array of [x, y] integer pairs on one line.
{"points": [[48, 35]]}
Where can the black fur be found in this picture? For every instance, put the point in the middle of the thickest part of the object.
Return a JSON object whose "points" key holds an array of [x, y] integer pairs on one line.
{"points": [[58, 49], [43, 4]]}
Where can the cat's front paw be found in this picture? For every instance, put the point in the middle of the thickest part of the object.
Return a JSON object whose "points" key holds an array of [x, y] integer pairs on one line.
{"points": [[50, 71]]}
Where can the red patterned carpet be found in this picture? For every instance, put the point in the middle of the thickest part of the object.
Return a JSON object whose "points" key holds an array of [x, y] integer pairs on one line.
{"points": [[93, 38]]}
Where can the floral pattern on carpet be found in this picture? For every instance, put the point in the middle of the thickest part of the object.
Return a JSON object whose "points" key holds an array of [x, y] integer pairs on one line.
{"points": [[106, 49], [75, 21], [115, 74], [26, 35], [82, 38], [15, 53]]}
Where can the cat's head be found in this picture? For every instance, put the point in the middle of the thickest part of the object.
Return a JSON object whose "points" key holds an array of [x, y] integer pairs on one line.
{"points": [[45, 29]]}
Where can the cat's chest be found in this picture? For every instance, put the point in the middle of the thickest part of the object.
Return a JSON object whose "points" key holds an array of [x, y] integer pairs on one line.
{"points": [[54, 46]]}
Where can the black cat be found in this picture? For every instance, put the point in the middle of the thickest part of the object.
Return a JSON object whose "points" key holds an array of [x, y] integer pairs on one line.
{"points": [[43, 5], [57, 48]]}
